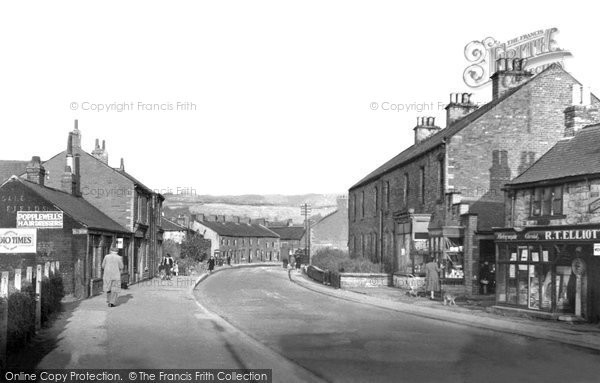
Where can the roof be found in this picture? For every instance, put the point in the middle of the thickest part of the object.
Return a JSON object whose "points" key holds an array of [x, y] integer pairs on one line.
{"points": [[234, 229], [289, 232], [440, 137], [9, 168], [570, 157], [117, 170], [76, 207], [168, 225]]}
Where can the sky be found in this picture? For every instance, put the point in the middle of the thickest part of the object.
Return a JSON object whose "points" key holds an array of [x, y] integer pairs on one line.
{"points": [[251, 97]]}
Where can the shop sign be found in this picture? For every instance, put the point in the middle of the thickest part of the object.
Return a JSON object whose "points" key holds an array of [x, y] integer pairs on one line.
{"points": [[550, 235], [119, 243], [18, 241], [40, 219]]}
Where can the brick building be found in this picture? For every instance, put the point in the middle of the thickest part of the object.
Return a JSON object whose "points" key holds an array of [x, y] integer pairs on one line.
{"points": [[548, 254], [69, 228], [120, 196], [239, 239], [442, 195]]}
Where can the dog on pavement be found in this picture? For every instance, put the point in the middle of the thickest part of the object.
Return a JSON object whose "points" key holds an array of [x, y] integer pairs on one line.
{"points": [[449, 298]]}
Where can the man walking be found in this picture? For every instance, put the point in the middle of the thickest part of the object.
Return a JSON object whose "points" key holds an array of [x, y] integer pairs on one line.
{"points": [[112, 265]]}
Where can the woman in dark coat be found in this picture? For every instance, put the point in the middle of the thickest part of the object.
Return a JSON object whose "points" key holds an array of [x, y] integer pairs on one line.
{"points": [[211, 264], [432, 278]]}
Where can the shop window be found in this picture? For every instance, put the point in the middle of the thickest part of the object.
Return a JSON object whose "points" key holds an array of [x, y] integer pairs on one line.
{"points": [[501, 282], [453, 259], [547, 201]]}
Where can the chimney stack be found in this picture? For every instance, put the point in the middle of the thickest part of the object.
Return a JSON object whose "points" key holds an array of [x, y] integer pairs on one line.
{"points": [[342, 202], [68, 181], [509, 74], [100, 153], [122, 167], [35, 171], [76, 136], [425, 127], [581, 112], [77, 176], [460, 105]]}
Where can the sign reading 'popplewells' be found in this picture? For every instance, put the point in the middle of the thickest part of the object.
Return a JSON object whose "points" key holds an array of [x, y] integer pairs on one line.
{"points": [[40, 219], [18, 240], [539, 48]]}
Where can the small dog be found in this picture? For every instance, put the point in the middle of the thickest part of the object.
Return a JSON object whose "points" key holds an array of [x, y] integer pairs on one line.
{"points": [[449, 299], [412, 292]]}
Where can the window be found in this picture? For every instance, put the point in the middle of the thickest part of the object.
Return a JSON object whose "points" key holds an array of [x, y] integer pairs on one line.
{"points": [[354, 208], [376, 199], [441, 180], [546, 201], [386, 194], [422, 194], [362, 204], [406, 190]]}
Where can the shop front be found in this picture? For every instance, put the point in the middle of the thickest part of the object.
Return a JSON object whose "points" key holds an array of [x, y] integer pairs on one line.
{"points": [[554, 270]]}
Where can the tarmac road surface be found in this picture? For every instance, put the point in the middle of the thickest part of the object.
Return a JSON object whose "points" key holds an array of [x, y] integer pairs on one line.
{"points": [[342, 341]]}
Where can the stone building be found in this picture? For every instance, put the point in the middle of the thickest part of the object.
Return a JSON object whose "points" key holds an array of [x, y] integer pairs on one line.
{"points": [[174, 231], [120, 196], [442, 196], [331, 230], [69, 228], [548, 254], [237, 239], [291, 237]]}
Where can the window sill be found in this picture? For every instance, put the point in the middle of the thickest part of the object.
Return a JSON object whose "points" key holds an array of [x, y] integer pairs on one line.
{"points": [[537, 217]]}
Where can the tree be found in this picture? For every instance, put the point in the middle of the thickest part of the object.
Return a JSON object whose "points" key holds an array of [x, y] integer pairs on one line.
{"points": [[195, 247]]}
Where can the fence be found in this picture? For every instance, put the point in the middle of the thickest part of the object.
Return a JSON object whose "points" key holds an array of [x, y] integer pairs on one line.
{"points": [[326, 277], [25, 303]]}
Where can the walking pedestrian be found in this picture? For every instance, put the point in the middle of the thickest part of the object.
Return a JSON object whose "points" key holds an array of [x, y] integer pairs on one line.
{"points": [[168, 265], [112, 265], [211, 264], [432, 277]]}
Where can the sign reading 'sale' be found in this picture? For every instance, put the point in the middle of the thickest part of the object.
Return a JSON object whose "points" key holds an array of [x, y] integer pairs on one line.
{"points": [[18, 240]]}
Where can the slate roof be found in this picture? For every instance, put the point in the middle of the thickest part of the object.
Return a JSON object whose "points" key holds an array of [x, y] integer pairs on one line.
{"points": [[168, 225], [75, 207], [571, 157], [233, 229], [9, 168], [289, 233], [440, 137]]}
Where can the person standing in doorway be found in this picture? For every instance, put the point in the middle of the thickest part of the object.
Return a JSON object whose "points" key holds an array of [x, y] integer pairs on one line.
{"points": [[485, 277], [432, 277], [112, 265]]}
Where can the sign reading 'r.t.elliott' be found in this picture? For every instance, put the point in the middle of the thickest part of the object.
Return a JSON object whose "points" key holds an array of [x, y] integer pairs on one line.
{"points": [[550, 235]]}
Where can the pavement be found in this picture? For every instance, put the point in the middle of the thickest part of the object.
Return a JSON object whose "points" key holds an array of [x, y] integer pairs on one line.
{"points": [[156, 324], [471, 312]]}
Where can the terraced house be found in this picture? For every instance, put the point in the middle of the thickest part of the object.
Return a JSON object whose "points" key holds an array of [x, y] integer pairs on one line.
{"points": [[442, 196], [120, 196], [238, 239]]}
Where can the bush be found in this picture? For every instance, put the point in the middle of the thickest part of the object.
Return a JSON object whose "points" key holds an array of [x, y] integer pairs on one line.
{"points": [[339, 261], [21, 318], [52, 293]]}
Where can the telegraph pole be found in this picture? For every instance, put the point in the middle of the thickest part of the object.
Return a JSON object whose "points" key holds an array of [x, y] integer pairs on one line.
{"points": [[305, 211]]}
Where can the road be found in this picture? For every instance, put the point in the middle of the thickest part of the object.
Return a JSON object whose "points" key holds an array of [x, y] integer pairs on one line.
{"points": [[342, 341]]}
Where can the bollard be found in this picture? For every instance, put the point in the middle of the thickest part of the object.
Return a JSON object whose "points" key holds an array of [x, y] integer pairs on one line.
{"points": [[38, 298]]}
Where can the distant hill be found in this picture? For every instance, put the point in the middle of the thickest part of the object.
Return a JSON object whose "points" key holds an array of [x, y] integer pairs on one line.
{"points": [[273, 207]]}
